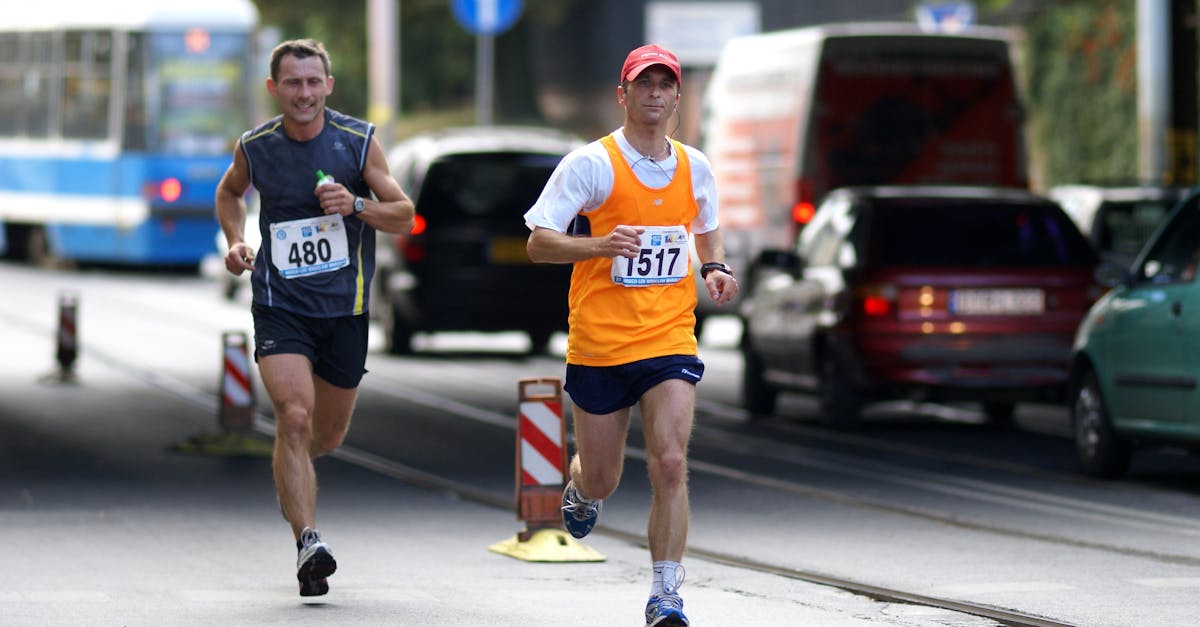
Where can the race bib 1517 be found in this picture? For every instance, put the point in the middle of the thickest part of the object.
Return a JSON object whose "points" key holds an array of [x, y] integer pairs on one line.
{"points": [[664, 258]]}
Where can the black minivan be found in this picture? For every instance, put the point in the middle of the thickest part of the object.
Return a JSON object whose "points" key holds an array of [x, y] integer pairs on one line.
{"points": [[464, 266]]}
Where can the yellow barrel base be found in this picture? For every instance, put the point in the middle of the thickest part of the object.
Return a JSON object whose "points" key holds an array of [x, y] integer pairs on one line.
{"points": [[547, 545], [225, 445]]}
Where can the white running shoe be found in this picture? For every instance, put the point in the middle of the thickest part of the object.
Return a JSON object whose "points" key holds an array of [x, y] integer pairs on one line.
{"points": [[313, 564]]}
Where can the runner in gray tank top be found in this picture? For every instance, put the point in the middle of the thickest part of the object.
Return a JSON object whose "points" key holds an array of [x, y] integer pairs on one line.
{"points": [[311, 275]]}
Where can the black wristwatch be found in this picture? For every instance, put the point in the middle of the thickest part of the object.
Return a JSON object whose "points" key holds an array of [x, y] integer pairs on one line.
{"points": [[358, 205], [714, 265]]}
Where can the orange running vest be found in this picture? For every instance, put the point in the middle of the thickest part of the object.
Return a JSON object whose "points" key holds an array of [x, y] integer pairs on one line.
{"points": [[611, 324]]}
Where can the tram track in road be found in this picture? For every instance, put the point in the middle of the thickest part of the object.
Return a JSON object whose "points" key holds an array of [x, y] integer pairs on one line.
{"points": [[959, 487], [423, 392], [468, 492], [732, 415], [208, 402], [962, 488]]}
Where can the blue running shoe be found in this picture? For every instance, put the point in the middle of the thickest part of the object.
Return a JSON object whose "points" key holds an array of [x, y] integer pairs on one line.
{"points": [[665, 609], [579, 514], [314, 563]]}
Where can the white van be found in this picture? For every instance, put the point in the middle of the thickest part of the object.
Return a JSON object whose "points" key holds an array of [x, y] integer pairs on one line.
{"points": [[791, 115]]}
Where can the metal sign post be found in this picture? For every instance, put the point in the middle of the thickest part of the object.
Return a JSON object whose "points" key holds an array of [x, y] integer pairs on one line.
{"points": [[485, 18]]}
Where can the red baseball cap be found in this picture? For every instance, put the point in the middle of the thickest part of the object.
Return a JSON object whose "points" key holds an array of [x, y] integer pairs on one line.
{"points": [[650, 54]]}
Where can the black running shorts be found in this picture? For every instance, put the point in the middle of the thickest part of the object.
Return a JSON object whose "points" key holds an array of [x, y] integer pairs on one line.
{"points": [[337, 347], [605, 389]]}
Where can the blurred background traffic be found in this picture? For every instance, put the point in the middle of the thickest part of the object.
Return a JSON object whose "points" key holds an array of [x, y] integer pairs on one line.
{"points": [[116, 123], [967, 235], [133, 109]]}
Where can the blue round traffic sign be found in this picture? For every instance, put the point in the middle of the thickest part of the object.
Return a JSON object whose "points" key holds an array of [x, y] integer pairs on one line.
{"points": [[486, 17]]}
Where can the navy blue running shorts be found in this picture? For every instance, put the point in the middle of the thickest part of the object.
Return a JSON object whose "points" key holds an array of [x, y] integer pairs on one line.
{"points": [[605, 389], [337, 347]]}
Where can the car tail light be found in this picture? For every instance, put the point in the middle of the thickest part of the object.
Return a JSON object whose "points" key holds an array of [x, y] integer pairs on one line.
{"points": [[803, 212], [876, 301], [804, 209], [411, 246], [412, 250], [876, 305]]}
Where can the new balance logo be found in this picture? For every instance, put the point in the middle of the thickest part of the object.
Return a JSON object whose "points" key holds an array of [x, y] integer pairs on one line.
{"points": [[690, 373]]}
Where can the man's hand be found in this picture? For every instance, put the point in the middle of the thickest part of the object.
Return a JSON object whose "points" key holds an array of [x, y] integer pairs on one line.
{"points": [[239, 259], [335, 198], [722, 288], [623, 241]]}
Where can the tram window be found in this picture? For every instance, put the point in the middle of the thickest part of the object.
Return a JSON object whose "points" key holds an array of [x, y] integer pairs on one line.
{"points": [[36, 91], [87, 84], [137, 122], [197, 102], [11, 82], [10, 105]]}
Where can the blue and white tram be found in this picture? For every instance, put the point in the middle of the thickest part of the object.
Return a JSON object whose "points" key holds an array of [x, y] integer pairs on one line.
{"points": [[117, 119]]}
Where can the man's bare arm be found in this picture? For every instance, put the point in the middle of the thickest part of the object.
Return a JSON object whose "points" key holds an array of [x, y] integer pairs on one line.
{"points": [[550, 246], [231, 213]]}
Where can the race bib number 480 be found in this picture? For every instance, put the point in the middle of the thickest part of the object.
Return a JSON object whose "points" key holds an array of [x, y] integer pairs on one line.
{"points": [[310, 246], [664, 258]]}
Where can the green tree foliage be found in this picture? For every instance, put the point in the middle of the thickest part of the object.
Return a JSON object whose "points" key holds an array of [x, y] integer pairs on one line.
{"points": [[342, 28], [1081, 90], [437, 55]]}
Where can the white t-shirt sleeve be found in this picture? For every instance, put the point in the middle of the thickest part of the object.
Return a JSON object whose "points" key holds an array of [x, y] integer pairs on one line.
{"points": [[704, 186], [582, 181]]}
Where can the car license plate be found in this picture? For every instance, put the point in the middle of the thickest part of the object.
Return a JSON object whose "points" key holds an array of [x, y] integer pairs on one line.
{"points": [[508, 250], [997, 302]]}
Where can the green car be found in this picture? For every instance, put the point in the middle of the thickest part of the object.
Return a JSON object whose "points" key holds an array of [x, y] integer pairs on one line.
{"points": [[1136, 357]]}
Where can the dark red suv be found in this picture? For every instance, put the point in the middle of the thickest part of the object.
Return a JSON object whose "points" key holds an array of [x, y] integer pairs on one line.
{"points": [[931, 293]]}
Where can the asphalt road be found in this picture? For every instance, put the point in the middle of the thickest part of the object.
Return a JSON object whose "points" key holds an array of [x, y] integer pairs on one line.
{"points": [[107, 525]]}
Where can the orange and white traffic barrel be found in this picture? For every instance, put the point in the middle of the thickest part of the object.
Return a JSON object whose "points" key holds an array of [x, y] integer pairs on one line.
{"points": [[235, 413], [541, 472], [237, 392], [541, 455]]}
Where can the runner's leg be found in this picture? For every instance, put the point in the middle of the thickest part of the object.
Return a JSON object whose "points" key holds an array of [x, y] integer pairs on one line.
{"points": [[289, 383], [331, 417], [599, 452], [667, 416]]}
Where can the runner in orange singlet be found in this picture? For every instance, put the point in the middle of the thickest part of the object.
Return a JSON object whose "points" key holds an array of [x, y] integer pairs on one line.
{"points": [[625, 210]]}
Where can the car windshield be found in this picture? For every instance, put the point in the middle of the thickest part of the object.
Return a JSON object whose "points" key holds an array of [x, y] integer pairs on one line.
{"points": [[1126, 225], [947, 233], [484, 185], [1174, 256]]}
